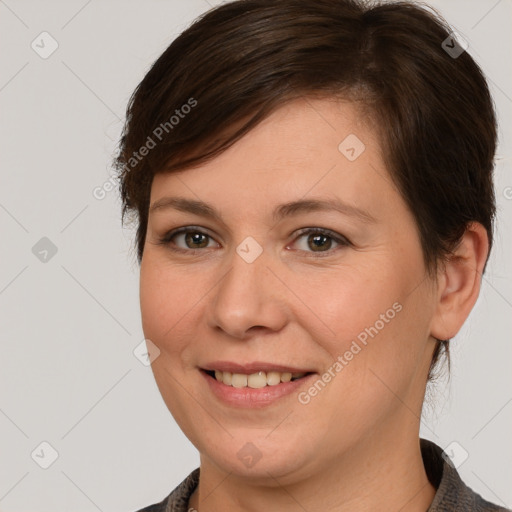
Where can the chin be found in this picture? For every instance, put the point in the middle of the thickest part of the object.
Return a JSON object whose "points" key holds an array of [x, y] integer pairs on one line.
{"points": [[256, 456]]}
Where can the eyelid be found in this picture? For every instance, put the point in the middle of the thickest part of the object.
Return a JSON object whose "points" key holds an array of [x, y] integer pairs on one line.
{"points": [[341, 240], [166, 239]]}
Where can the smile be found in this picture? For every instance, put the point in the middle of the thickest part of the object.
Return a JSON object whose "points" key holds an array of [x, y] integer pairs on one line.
{"points": [[253, 385], [256, 380]]}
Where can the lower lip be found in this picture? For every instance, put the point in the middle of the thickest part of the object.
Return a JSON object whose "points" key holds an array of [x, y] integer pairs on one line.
{"points": [[253, 398]]}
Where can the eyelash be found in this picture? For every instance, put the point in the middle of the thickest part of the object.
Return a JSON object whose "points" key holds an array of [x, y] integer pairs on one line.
{"points": [[339, 239]]}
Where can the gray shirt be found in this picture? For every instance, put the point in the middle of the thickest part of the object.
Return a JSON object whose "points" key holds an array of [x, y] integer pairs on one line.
{"points": [[452, 495]]}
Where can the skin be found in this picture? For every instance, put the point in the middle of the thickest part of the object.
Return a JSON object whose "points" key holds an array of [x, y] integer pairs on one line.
{"points": [[355, 445]]}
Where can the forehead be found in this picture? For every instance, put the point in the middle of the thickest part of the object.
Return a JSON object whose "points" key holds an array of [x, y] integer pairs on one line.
{"points": [[305, 148]]}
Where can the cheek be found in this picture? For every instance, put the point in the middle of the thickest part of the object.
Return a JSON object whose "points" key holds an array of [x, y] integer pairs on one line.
{"points": [[378, 320], [167, 299], [350, 303]]}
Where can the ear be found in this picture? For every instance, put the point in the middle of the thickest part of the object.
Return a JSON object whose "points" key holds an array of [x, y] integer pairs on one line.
{"points": [[459, 282]]}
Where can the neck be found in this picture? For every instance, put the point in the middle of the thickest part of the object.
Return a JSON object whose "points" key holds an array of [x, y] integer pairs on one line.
{"points": [[373, 476]]}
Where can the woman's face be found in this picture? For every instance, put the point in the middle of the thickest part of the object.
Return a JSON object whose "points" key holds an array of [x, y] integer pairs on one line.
{"points": [[246, 291]]}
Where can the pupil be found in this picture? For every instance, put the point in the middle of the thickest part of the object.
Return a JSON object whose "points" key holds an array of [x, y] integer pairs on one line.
{"points": [[317, 238], [195, 238]]}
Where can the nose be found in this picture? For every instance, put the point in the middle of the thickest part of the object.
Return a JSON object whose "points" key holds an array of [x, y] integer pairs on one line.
{"points": [[249, 298]]}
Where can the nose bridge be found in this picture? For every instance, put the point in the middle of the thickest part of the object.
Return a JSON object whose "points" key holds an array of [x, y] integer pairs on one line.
{"points": [[247, 295]]}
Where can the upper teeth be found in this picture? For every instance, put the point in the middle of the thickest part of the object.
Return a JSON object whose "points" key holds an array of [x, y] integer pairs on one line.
{"points": [[255, 380]]}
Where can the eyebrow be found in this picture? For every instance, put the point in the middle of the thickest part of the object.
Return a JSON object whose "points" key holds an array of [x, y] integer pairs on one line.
{"points": [[284, 210]]}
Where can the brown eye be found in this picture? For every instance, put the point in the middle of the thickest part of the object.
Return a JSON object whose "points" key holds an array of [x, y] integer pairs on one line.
{"points": [[319, 240], [187, 240], [195, 239]]}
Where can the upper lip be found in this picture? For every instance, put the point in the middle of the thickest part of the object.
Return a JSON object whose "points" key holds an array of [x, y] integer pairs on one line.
{"points": [[254, 367]]}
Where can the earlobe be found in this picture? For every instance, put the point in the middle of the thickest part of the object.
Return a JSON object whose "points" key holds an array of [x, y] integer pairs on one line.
{"points": [[459, 281]]}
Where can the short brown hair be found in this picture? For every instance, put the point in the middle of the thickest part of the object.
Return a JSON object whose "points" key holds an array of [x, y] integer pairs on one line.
{"points": [[240, 61]]}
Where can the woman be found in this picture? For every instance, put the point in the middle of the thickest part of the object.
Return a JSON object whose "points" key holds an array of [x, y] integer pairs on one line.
{"points": [[312, 183]]}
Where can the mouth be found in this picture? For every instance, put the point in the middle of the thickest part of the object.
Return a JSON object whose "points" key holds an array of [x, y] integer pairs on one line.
{"points": [[254, 385], [255, 380]]}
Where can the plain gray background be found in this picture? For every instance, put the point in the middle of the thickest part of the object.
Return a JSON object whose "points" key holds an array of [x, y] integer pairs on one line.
{"points": [[70, 320]]}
